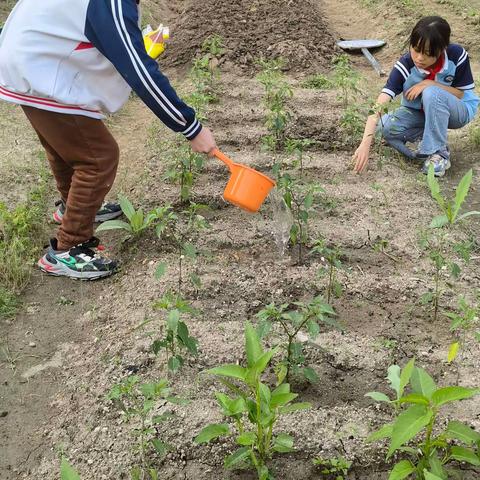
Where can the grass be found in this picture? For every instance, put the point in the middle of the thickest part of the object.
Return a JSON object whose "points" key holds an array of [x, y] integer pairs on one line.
{"points": [[21, 231]]}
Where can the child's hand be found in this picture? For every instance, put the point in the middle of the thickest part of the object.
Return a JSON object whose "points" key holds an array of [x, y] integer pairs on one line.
{"points": [[413, 92], [360, 157], [203, 142]]}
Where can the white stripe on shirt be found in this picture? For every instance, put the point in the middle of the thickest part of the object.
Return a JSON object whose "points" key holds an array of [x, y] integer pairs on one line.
{"points": [[401, 69], [462, 58], [132, 53]]}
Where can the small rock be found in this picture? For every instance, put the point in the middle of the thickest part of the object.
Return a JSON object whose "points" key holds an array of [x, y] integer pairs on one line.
{"points": [[3, 414], [32, 344]]}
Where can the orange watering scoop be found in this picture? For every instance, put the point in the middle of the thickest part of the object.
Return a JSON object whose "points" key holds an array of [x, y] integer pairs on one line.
{"points": [[246, 187]]}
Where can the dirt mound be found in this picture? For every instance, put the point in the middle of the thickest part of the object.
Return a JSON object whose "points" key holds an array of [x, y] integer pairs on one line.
{"points": [[292, 29]]}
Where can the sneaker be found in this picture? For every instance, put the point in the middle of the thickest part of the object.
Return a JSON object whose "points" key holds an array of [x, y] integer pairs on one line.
{"points": [[108, 211], [80, 262], [440, 164]]}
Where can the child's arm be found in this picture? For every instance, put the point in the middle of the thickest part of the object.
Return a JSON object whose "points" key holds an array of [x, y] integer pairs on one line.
{"points": [[363, 151], [413, 92]]}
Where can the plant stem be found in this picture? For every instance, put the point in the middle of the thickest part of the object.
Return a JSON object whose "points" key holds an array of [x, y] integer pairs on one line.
{"points": [[437, 293], [330, 281]]}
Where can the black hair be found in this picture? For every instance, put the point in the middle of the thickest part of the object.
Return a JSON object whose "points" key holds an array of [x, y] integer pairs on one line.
{"points": [[431, 36]]}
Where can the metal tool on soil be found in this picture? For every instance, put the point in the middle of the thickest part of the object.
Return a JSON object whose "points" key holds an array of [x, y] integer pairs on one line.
{"points": [[364, 45]]}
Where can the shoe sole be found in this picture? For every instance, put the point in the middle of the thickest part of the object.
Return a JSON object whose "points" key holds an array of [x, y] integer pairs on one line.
{"points": [[57, 218], [60, 270]]}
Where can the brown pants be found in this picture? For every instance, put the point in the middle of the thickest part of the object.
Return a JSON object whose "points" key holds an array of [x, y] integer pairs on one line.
{"points": [[83, 157]]}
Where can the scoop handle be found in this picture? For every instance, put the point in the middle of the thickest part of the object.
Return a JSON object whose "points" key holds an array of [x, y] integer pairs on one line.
{"points": [[222, 157]]}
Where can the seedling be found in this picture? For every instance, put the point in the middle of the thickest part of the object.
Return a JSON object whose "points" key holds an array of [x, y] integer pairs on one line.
{"points": [[292, 321], [254, 409], [184, 167], [417, 430], [463, 322], [345, 78], [137, 402], [299, 198], [334, 468], [332, 255], [181, 231], [298, 147], [137, 222], [450, 208], [67, 472], [318, 82], [277, 92], [434, 243], [176, 338]]}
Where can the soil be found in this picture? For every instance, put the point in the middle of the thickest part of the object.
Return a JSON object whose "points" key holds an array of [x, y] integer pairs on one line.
{"points": [[252, 29], [52, 394]]}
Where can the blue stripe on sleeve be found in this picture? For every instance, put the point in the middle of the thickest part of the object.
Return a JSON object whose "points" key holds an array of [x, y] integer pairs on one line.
{"points": [[112, 27]]}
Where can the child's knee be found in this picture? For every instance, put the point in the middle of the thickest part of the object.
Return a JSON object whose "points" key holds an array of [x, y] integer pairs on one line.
{"points": [[387, 127], [432, 93]]}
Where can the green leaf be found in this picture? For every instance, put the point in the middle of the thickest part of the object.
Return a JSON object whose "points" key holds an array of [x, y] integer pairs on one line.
{"points": [[237, 457], [253, 347], [231, 370], [313, 329], [160, 270], [281, 399], [247, 438], [384, 432], [212, 431], [114, 225], [436, 466], [175, 363], [189, 250], [452, 394], [160, 447], [465, 455], [294, 407], [378, 396], [407, 425], [401, 470], [173, 319], [126, 206], [393, 377], [414, 398], [430, 476], [310, 374], [453, 352], [405, 376], [468, 214], [67, 472], [153, 474], [283, 443], [263, 361], [462, 192], [439, 221], [435, 187], [462, 432], [136, 222], [422, 382]]}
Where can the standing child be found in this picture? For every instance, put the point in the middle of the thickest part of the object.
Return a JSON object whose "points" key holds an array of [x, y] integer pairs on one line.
{"points": [[438, 93], [67, 63]]}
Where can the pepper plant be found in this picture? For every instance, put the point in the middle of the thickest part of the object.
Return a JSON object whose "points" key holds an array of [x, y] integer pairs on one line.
{"points": [[332, 256], [297, 146], [334, 468], [253, 409], [175, 339], [417, 430], [137, 222], [305, 316], [137, 402], [463, 321], [450, 208], [299, 196], [277, 92]]}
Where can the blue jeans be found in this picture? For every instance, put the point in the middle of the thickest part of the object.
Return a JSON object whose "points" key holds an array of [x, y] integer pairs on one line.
{"points": [[441, 111]]}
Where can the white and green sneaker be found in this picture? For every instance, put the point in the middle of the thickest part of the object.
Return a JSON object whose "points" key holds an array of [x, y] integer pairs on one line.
{"points": [[80, 262], [108, 211]]}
